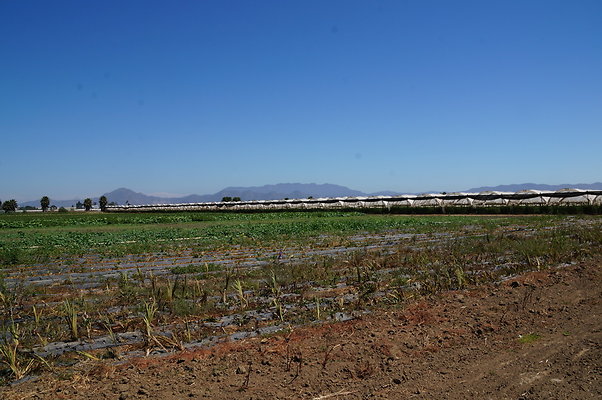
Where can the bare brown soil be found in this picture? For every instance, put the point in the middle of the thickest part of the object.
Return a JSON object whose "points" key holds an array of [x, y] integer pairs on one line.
{"points": [[537, 336]]}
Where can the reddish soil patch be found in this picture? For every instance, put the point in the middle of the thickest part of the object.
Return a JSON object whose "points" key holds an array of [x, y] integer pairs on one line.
{"points": [[460, 344]]}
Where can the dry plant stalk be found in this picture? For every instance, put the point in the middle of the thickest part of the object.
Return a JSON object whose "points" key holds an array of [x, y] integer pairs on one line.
{"points": [[9, 352]]}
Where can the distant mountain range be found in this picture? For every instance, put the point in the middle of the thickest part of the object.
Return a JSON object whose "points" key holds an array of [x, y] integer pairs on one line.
{"points": [[286, 190], [266, 192], [536, 186]]}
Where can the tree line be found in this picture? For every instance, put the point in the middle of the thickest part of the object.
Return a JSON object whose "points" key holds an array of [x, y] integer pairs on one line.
{"points": [[12, 206]]}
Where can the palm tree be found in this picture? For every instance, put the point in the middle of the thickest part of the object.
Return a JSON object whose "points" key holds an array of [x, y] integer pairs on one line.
{"points": [[102, 202]]}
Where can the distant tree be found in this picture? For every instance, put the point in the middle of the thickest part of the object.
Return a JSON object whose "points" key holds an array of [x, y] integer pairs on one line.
{"points": [[103, 203], [79, 205], [112, 203], [27, 208], [10, 205], [226, 198], [88, 204], [236, 198], [45, 203], [63, 210], [53, 208]]}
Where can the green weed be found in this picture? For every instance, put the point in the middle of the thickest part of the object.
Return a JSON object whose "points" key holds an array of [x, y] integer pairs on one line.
{"points": [[529, 338]]}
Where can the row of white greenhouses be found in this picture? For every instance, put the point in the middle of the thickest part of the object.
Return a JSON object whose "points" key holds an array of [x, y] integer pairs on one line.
{"points": [[484, 199]]}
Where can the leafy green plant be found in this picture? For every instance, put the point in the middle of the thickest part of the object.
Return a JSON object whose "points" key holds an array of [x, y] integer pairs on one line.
{"points": [[170, 290], [70, 311], [227, 276], [37, 317], [10, 356], [460, 277], [238, 287], [276, 296], [148, 315], [109, 327]]}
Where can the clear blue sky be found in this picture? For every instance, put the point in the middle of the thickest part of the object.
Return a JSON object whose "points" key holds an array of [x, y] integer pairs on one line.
{"points": [[193, 96]]}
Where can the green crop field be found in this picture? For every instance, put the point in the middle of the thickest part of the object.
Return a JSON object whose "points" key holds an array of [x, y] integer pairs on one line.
{"points": [[29, 238]]}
